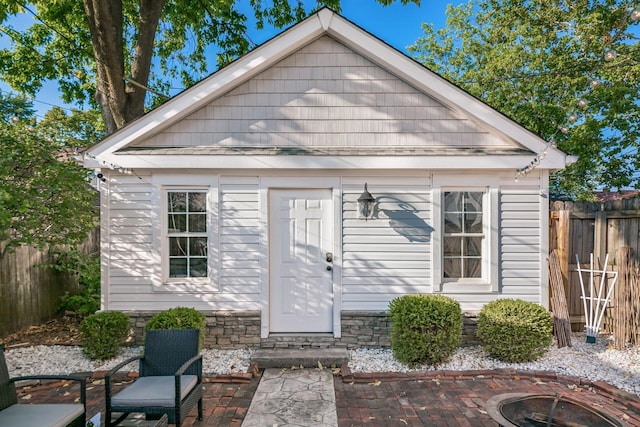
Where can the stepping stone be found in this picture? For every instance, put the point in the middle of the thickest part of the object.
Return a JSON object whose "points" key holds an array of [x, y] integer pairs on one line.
{"points": [[298, 397], [307, 358]]}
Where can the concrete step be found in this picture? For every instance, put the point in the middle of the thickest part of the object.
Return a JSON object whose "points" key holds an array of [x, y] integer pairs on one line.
{"points": [[307, 358]]}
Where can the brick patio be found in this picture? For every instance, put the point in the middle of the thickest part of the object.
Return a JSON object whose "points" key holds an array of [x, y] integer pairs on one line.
{"points": [[451, 399]]}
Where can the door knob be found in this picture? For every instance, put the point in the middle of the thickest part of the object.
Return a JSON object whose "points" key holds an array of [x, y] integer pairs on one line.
{"points": [[329, 268]]}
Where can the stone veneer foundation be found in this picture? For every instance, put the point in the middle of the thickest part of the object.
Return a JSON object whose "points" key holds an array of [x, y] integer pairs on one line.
{"points": [[241, 329]]}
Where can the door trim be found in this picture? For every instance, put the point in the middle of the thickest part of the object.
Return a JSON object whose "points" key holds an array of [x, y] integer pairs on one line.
{"points": [[302, 182], [304, 280]]}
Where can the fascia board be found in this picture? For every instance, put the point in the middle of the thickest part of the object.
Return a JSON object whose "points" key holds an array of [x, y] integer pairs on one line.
{"points": [[214, 86], [257, 162], [434, 85]]}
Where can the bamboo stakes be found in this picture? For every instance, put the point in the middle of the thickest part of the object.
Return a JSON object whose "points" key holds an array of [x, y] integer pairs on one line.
{"points": [[627, 301], [561, 320]]}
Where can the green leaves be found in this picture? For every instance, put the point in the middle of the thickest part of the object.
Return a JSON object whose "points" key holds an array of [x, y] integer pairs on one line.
{"points": [[45, 198], [535, 60], [425, 328], [514, 330], [103, 334], [159, 44]]}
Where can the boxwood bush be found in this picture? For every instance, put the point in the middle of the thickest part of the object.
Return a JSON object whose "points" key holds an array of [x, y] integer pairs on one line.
{"points": [[103, 334], [179, 318], [513, 330], [425, 328]]}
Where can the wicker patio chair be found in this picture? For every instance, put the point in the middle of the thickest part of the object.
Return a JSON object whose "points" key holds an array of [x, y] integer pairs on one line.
{"points": [[169, 382], [41, 415]]}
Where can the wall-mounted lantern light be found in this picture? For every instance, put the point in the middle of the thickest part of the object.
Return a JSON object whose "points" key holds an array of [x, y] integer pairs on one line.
{"points": [[365, 204]]}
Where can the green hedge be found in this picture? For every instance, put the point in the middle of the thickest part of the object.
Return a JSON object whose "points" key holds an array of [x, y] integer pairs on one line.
{"points": [[425, 328], [103, 334], [179, 318], [513, 330]]}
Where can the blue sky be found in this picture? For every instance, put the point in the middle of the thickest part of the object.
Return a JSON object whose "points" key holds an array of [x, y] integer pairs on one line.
{"points": [[399, 26]]}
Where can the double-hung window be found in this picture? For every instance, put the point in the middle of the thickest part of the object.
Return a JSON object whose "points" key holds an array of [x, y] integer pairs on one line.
{"points": [[185, 239], [465, 250], [187, 233], [464, 234]]}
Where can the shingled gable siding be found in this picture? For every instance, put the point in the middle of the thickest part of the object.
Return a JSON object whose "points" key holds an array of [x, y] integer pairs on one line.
{"points": [[389, 255], [325, 95]]}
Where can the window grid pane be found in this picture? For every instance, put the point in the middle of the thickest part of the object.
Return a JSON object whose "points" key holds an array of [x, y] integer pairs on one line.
{"points": [[187, 227], [463, 235]]}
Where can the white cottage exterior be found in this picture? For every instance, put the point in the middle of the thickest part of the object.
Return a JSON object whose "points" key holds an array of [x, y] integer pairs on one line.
{"points": [[243, 198]]}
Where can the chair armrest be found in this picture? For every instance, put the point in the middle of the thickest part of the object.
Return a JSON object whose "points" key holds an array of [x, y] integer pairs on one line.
{"points": [[188, 363], [121, 365], [107, 376], [48, 377], [79, 379]]}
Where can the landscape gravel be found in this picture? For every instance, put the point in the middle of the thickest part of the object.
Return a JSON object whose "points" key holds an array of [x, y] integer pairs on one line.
{"points": [[63, 360], [596, 362]]}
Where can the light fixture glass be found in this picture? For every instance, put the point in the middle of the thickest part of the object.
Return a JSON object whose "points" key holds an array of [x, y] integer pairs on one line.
{"points": [[365, 204], [610, 55]]}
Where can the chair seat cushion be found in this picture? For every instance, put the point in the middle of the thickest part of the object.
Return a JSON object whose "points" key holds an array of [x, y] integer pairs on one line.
{"points": [[153, 391], [45, 415]]}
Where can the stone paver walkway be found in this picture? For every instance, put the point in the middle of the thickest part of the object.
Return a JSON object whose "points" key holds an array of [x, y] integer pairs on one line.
{"points": [[301, 397]]}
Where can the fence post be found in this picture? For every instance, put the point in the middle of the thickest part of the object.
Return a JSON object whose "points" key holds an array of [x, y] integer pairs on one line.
{"points": [[564, 222], [600, 236]]}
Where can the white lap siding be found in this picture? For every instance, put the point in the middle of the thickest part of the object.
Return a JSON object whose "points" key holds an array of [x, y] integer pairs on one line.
{"points": [[383, 258], [521, 242], [131, 267], [389, 255], [240, 248], [127, 240]]}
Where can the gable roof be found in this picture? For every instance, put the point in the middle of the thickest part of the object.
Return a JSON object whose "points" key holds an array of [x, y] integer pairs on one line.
{"points": [[123, 147]]}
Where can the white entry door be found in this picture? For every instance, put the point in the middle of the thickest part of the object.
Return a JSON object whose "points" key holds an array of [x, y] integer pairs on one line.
{"points": [[301, 284]]}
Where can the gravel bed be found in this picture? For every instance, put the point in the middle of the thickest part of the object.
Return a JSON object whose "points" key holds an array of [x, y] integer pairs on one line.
{"points": [[596, 362], [63, 360]]}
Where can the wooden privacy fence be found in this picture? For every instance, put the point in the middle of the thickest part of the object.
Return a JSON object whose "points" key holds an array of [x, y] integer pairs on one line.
{"points": [[602, 229], [30, 292]]}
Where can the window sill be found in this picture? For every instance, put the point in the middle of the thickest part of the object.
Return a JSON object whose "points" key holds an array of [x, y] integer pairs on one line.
{"points": [[186, 287], [467, 287]]}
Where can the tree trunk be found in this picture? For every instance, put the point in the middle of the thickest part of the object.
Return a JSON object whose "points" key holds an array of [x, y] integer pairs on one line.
{"points": [[121, 103]]}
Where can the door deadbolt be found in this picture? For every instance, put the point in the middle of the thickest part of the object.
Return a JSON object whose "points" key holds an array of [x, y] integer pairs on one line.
{"points": [[329, 257]]}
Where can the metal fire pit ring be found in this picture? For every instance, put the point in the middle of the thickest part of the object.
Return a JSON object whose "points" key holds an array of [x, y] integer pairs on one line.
{"points": [[533, 410]]}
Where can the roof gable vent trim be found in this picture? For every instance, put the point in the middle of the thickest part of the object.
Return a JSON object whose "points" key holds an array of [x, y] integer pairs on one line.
{"points": [[325, 16]]}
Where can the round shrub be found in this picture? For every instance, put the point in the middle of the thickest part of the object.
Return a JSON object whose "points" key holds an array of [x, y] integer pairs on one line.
{"points": [[179, 318], [425, 328], [513, 330], [103, 334]]}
